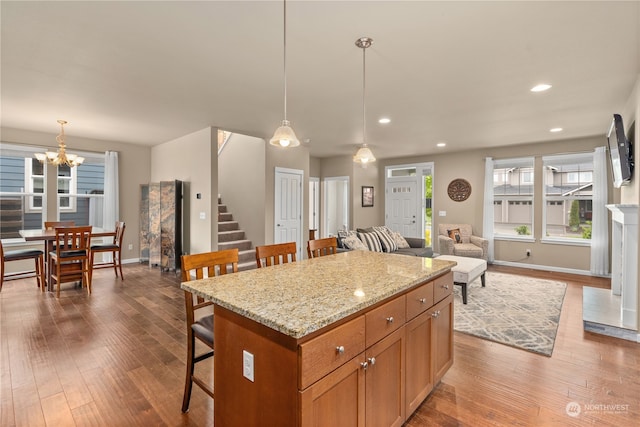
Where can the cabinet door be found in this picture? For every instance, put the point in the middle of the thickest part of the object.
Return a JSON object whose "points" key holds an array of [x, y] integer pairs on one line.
{"points": [[385, 403], [419, 379], [442, 337], [337, 399]]}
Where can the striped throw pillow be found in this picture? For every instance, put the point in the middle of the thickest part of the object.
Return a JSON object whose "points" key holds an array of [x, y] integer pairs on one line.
{"points": [[388, 243], [371, 240]]}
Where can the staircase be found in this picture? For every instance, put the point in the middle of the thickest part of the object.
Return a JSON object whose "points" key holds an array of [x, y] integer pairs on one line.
{"points": [[231, 236]]}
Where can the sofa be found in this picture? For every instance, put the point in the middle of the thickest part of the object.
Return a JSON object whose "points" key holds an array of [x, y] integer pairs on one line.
{"points": [[381, 239], [458, 240]]}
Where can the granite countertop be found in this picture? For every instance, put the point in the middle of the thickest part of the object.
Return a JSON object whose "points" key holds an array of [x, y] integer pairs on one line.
{"points": [[302, 297]]}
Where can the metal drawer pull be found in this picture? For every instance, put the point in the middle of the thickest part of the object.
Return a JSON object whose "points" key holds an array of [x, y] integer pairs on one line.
{"points": [[340, 349], [364, 365], [390, 319], [422, 300], [445, 286], [372, 361]]}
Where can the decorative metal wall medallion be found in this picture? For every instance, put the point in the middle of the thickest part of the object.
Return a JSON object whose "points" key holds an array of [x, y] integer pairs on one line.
{"points": [[459, 190]]}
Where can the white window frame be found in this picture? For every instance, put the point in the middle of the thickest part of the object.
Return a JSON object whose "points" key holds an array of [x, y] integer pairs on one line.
{"points": [[29, 187]]}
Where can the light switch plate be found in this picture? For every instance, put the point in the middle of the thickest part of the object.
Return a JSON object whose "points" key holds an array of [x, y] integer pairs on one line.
{"points": [[247, 365], [442, 213], [203, 215]]}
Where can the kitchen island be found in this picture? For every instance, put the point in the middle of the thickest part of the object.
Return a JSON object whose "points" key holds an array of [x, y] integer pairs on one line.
{"points": [[355, 338]]}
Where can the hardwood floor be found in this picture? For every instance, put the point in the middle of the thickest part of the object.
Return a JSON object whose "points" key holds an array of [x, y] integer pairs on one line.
{"points": [[116, 358]]}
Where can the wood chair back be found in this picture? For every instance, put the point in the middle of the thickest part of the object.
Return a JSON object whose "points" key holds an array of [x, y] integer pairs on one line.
{"points": [[195, 267], [279, 253], [71, 260], [322, 247], [115, 247], [51, 225]]}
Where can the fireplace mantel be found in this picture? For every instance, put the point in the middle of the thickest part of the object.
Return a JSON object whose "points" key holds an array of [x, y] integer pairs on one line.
{"points": [[624, 261]]}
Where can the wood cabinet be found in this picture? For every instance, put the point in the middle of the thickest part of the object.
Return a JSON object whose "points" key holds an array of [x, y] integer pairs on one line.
{"points": [[373, 368], [442, 337], [429, 337]]}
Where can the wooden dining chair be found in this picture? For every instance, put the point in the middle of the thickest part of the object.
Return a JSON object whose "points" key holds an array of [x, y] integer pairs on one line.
{"points": [[19, 255], [71, 261], [115, 247], [195, 267], [322, 247], [279, 253]]}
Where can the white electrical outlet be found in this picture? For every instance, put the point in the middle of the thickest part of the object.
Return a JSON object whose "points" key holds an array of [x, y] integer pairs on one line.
{"points": [[247, 365], [442, 213], [203, 215], [130, 246]]}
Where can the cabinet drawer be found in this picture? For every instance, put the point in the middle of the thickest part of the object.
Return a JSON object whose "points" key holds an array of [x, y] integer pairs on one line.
{"points": [[419, 300], [442, 287], [328, 351], [385, 319]]}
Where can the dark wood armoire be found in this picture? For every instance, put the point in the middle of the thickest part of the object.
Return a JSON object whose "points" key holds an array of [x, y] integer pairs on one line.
{"points": [[161, 224]]}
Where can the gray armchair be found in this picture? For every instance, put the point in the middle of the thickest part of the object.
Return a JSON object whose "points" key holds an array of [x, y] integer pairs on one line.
{"points": [[469, 245]]}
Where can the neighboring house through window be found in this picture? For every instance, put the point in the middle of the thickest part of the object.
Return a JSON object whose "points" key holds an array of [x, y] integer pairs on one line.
{"points": [[513, 198], [568, 198]]}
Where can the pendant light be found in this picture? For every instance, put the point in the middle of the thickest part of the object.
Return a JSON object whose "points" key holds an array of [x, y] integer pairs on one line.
{"points": [[284, 136], [364, 156]]}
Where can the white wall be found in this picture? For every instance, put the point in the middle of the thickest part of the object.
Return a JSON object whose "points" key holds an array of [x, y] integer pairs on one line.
{"points": [[241, 172], [193, 159]]}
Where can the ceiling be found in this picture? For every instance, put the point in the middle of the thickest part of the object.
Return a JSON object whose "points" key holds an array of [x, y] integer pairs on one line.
{"points": [[460, 72]]}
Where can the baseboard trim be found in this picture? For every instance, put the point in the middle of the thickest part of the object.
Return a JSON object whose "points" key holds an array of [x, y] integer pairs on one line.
{"points": [[545, 268]]}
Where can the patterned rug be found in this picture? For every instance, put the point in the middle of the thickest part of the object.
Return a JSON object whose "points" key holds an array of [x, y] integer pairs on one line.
{"points": [[519, 311]]}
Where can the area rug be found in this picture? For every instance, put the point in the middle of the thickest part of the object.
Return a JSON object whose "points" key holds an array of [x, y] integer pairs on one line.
{"points": [[519, 311]]}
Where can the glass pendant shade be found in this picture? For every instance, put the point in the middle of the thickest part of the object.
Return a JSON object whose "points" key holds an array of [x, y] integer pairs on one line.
{"points": [[364, 155], [284, 136]]}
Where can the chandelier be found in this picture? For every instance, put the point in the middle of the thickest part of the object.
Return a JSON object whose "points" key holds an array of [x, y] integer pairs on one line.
{"points": [[364, 156], [284, 136], [61, 157]]}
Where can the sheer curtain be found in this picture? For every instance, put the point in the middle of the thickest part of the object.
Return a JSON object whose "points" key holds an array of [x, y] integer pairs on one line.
{"points": [[487, 217], [111, 210], [599, 224]]}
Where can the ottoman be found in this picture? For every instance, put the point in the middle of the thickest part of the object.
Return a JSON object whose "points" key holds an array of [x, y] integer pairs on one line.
{"points": [[467, 270]]}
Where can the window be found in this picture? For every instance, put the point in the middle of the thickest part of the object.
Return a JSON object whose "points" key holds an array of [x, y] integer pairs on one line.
{"points": [[568, 197], [23, 190], [513, 197], [34, 183]]}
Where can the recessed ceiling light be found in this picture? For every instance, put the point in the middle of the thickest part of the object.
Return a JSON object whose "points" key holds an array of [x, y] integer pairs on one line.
{"points": [[441, 144], [555, 130], [384, 120], [541, 87]]}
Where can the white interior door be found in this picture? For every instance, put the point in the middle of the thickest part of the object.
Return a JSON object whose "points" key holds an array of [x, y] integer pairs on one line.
{"points": [[288, 207], [336, 205], [314, 205], [402, 206]]}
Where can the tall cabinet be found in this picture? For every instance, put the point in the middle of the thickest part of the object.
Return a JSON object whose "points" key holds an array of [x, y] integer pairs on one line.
{"points": [[161, 224]]}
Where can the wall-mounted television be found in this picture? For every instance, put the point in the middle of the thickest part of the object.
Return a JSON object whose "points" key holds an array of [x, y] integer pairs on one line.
{"points": [[620, 153]]}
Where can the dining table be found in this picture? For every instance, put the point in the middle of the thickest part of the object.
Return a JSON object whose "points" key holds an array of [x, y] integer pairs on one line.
{"points": [[49, 237]]}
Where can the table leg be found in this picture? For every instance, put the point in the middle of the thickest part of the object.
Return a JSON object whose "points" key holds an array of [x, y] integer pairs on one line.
{"points": [[48, 247]]}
